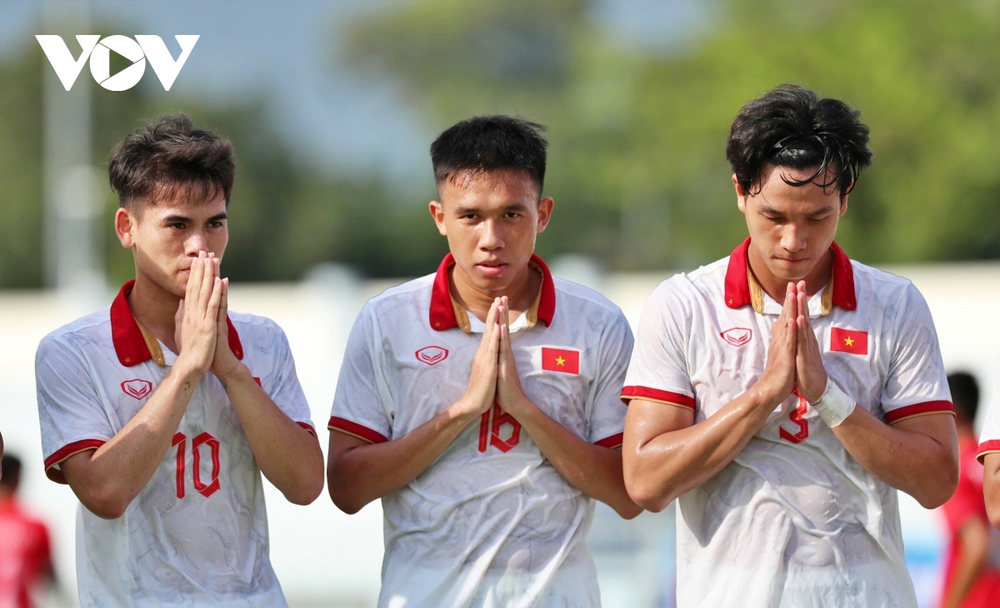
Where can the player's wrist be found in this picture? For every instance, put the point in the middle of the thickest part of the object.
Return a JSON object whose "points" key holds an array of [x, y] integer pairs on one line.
{"points": [[834, 405], [238, 372], [188, 368]]}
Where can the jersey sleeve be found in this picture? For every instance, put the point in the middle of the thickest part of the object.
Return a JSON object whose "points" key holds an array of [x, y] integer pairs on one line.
{"points": [[989, 437], [607, 417], [658, 369], [916, 384], [71, 414], [360, 405], [286, 391]]}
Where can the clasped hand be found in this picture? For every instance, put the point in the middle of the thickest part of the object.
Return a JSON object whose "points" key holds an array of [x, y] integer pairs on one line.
{"points": [[200, 327], [494, 375], [794, 360]]}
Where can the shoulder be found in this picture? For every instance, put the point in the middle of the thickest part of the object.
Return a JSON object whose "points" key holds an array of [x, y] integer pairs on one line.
{"points": [[411, 294], [575, 296], [90, 331], [884, 290], [704, 283], [254, 326]]}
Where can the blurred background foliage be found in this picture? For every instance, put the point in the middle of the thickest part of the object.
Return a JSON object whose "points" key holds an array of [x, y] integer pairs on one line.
{"points": [[637, 133]]}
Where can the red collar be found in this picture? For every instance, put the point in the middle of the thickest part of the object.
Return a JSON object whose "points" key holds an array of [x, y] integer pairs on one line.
{"points": [[129, 343], [738, 288], [442, 313]]}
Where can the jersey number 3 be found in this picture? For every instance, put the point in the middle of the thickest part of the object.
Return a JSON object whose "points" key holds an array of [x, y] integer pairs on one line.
{"points": [[492, 434], [205, 439], [798, 417]]}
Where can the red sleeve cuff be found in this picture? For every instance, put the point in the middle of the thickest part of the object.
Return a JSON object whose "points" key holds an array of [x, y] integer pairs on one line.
{"points": [[919, 409], [65, 452], [652, 394], [356, 430]]}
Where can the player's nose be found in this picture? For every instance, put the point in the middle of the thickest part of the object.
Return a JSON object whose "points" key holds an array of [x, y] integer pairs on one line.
{"points": [[490, 237], [793, 237]]}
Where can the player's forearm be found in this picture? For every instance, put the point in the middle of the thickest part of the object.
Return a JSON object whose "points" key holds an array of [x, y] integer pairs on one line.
{"points": [[659, 468], [107, 479], [923, 462], [359, 472], [288, 455], [592, 469], [991, 487]]}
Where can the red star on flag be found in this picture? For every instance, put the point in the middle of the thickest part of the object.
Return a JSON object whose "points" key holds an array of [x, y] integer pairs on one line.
{"points": [[561, 360], [848, 341]]}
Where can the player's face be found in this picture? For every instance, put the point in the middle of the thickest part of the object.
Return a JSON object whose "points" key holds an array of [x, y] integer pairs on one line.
{"points": [[491, 220], [791, 229], [166, 236]]}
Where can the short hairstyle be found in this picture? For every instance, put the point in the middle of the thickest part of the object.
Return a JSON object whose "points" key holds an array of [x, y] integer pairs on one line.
{"points": [[169, 156], [11, 470], [964, 394], [490, 143], [791, 127]]}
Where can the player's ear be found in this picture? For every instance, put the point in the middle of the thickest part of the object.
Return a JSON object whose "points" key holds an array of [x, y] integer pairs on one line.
{"points": [[437, 212], [741, 195], [545, 212], [125, 223], [843, 203]]}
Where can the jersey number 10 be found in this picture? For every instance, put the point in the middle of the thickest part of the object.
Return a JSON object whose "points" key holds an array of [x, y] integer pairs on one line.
{"points": [[205, 489]]}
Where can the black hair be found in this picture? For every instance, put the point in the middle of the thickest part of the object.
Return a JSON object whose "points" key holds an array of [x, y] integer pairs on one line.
{"points": [[11, 470], [490, 143], [791, 127], [964, 394], [168, 156]]}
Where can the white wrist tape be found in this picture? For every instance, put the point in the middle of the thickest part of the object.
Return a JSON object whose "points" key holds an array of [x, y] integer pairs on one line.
{"points": [[834, 406]]}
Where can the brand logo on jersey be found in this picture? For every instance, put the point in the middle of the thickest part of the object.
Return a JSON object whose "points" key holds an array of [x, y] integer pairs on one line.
{"points": [[99, 50], [848, 341], [737, 336], [136, 388], [432, 355]]}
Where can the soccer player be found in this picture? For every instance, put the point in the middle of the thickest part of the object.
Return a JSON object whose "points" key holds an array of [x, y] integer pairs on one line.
{"points": [[480, 403], [971, 578], [782, 394], [25, 550], [162, 410]]}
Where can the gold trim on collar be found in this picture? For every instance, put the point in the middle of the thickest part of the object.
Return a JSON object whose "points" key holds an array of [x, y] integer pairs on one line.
{"points": [[153, 345], [756, 291], [757, 295], [462, 315], [827, 300]]}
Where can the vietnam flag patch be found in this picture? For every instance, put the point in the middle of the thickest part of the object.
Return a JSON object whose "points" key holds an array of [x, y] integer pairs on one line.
{"points": [[848, 341], [561, 360]]}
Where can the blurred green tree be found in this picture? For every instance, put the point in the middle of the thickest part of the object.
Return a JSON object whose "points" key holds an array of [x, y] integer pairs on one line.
{"points": [[285, 217], [637, 162]]}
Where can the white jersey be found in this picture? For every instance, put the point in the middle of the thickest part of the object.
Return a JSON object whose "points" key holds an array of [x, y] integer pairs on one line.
{"points": [[197, 532], [491, 522], [793, 520], [989, 436]]}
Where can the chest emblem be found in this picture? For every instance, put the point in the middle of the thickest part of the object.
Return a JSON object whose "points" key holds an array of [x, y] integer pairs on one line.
{"points": [[848, 341], [432, 355], [737, 336], [136, 388], [563, 360]]}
